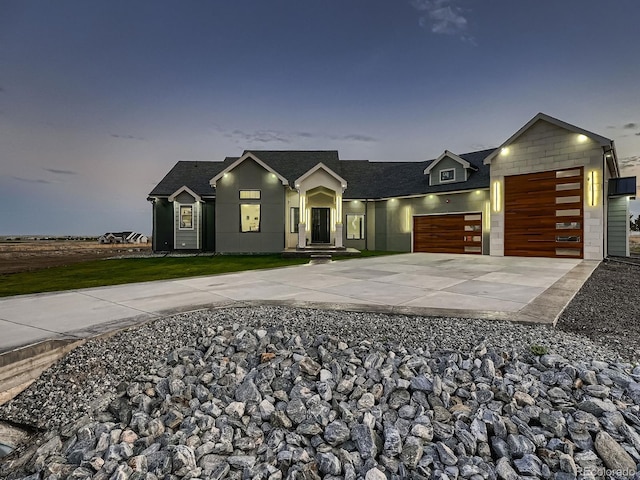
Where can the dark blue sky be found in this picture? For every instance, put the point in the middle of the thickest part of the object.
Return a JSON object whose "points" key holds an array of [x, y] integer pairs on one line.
{"points": [[98, 99]]}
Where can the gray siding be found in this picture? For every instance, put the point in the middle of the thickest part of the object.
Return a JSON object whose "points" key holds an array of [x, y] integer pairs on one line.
{"points": [[349, 208], [380, 237], [370, 219], [446, 164], [394, 218], [249, 175], [618, 227], [162, 225]]}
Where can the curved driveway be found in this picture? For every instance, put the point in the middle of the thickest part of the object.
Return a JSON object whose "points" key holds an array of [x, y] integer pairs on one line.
{"points": [[515, 288]]}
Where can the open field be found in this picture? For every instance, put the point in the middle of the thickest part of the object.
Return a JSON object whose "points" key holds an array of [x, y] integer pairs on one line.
{"points": [[634, 244], [28, 256]]}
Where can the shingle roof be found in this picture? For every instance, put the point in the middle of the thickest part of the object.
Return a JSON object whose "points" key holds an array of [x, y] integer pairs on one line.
{"points": [[365, 179], [195, 175]]}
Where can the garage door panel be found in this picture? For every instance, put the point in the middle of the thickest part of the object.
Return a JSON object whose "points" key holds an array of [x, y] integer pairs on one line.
{"points": [[454, 233], [544, 214]]}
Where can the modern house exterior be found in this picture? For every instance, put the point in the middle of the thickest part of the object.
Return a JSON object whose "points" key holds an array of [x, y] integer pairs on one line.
{"points": [[551, 189]]}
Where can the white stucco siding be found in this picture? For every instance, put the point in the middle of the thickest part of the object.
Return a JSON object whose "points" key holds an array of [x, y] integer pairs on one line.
{"points": [[544, 147]]}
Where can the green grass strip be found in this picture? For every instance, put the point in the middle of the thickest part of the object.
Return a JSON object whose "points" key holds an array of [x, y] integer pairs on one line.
{"points": [[98, 273]]}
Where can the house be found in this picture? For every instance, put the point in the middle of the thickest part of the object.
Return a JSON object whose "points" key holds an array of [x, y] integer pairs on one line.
{"points": [[123, 237], [551, 189]]}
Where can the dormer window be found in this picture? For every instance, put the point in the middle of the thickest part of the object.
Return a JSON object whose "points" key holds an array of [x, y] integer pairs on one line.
{"points": [[448, 175]]}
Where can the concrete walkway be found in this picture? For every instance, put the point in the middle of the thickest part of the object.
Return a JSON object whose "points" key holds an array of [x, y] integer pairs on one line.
{"points": [[519, 289]]}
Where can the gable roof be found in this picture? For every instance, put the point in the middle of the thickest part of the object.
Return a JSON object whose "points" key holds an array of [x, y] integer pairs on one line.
{"points": [[447, 154], [186, 189], [247, 155], [603, 141], [322, 166]]}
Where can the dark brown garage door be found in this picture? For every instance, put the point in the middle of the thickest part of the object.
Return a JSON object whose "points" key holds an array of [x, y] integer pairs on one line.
{"points": [[454, 233], [544, 214]]}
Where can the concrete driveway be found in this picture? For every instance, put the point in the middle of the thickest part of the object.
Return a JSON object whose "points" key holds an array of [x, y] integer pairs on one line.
{"points": [[515, 288]]}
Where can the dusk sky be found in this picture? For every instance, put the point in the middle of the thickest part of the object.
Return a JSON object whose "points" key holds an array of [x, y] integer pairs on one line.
{"points": [[99, 99]]}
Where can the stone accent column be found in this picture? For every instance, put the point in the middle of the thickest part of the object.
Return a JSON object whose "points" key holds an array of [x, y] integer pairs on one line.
{"points": [[302, 226], [339, 228], [302, 235]]}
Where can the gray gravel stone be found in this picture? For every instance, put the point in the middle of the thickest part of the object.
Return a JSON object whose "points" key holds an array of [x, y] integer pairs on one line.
{"points": [[274, 392]]}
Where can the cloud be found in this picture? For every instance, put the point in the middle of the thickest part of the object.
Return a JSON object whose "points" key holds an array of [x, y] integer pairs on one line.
{"points": [[2, 90], [276, 136], [629, 160], [442, 17], [260, 136], [30, 180], [629, 126], [61, 172], [358, 138], [126, 137], [637, 134]]}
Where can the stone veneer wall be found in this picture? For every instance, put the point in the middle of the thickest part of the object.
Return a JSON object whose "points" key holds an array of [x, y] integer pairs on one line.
{"points": [[545, 146]]}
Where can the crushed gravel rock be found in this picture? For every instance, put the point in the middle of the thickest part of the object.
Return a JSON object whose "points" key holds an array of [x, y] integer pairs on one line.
{"points": [[90, 376], [607, 308]]}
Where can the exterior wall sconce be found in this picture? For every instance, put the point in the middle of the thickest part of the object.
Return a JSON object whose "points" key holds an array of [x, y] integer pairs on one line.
{"points": [[592, 191], [582, 138], [504, 151], [497, 196]]}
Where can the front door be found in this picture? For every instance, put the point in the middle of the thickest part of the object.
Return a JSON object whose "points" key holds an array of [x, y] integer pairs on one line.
{"points": [[320, 225]]}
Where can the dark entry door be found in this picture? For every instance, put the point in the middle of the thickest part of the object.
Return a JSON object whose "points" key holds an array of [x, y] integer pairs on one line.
{"points": [[320, 225]]}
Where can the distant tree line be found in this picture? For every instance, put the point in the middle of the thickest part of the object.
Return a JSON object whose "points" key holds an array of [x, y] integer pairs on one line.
{"points": [[634, 225]]}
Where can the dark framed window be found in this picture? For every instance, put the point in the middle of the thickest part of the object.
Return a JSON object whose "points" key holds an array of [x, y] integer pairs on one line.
{"points": [[186, 217], [355, 226], [294, 219], [448, 175], [250, 217]]}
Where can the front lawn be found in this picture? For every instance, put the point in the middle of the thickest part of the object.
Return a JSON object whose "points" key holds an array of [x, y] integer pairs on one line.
{"points": [[97, 273]]}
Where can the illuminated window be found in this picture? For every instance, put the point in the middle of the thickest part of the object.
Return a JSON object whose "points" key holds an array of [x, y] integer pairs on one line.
{"points": [[448, 175], [355, 226], [249, 218], [186, 217], [294, 219], [250, 194]]}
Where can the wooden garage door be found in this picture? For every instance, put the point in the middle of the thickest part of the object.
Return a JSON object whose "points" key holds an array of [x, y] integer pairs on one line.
{"points": [[544, 214], [455, 233]]}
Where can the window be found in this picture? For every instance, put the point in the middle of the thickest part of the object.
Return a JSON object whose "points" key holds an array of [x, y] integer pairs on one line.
{"points": [[250, 194], [294, 219], [249, 218], [447, 175], [186, 217], [567, 225], [355, 226]]}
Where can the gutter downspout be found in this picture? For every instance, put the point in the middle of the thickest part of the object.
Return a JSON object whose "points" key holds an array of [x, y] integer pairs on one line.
{"points": [[366, 224], [605, 219]]}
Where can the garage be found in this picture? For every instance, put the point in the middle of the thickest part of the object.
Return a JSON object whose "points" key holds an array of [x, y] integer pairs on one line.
{"points": [[451, 233], [544, 214]]}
